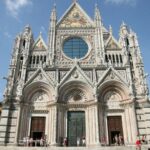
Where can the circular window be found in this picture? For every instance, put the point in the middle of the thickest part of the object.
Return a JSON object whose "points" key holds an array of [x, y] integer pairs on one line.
{"points": [[75, 47]]}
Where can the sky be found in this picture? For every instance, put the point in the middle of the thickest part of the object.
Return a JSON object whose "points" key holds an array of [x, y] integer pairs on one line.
{"points": [[16, 14]]}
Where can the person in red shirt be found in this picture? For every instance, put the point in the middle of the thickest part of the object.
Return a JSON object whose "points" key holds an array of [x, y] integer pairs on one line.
{"points": [[138, 144]]}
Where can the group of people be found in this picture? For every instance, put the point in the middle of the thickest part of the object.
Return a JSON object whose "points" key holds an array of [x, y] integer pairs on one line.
{"points": [[118, 139], [29, 141], [80, 141]]}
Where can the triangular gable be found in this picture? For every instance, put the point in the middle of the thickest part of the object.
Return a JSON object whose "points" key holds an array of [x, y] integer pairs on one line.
{"points": [[76, 74], [75, 17], [40, 76], [112, 44], [111, 74], [39, 44]]}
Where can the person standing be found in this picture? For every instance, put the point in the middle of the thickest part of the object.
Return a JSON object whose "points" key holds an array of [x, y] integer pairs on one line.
{"points": [[83, 141], [120, 139], [116, 140], [138, 144]]}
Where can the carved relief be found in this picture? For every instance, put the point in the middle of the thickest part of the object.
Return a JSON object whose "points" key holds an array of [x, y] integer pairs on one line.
{"points": [[99, 73], [112, 100], [39, 100], [75, 18], [123, 74], [89, 74], [74, 95], [51, 74], [62, 74]]}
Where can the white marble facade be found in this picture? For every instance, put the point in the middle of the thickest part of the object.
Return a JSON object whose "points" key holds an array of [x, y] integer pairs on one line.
{"points": [[109, 81]]}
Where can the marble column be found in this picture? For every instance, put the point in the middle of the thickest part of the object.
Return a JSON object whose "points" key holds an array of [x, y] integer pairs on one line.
{"points": [[53, 125], [92, 127], [101, 124], [133, 122], [128, 125]]}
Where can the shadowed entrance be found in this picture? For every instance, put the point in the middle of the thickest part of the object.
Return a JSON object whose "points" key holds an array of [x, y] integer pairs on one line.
{"points": [[114, 128], [76, 128]]}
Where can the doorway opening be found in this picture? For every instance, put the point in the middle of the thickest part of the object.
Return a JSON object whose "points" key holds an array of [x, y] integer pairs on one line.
{"points": [[76, 128], [37, 128], [115, 130]]}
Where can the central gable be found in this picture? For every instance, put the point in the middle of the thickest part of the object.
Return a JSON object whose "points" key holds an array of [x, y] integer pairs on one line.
{"points": [[75, 17]]}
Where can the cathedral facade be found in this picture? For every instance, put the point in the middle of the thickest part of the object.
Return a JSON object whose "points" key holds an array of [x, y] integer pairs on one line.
{"points": [[82, 84]]}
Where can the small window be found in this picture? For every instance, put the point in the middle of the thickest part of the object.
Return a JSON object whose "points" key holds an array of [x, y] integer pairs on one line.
{"points": [[106, 58], [24, 43], [117, 58], [113, 59], [37, 61], [121, 58], [44, 58], [21, 58]]}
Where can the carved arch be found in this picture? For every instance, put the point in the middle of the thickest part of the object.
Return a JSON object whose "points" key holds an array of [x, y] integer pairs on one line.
{"points": [[116, 87], [75, 91], [32, 89]]}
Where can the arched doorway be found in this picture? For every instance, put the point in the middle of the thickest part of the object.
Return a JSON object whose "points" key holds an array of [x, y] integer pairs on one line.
{"points": [[34, 112], [73, 98], [113, 113]]}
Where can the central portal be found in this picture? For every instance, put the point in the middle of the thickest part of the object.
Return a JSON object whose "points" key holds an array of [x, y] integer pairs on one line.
{"points": [[76, 128]]}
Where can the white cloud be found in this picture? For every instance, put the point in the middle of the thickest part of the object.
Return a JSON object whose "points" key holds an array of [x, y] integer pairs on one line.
{"points": [[118, 2], [14, 6]]}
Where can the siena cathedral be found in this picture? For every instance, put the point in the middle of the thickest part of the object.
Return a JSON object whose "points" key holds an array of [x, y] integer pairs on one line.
{"points": [[83, 83]]}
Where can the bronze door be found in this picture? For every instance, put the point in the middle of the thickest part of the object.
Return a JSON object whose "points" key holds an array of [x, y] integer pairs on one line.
{"points": [[76, 128], [114, 128], [37, 127]]}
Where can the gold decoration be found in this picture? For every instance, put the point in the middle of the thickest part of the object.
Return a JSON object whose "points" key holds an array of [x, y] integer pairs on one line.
{"points": [[75, 19]]}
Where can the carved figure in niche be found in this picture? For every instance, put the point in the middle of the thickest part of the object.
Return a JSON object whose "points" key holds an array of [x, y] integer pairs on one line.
{"points": [[40, 76], [39, 97], [112, 96], [75, 75], [75, 95]]}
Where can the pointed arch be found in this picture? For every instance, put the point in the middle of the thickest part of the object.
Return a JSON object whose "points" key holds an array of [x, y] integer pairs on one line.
{"points": [[35, 87], [71, 91], [115, 86]]}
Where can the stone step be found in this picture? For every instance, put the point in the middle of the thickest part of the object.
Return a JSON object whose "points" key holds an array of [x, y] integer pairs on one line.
{"points": [[145, 147]]}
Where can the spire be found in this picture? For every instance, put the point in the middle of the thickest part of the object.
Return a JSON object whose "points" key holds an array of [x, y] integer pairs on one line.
{"points": [[110, 30], [53, 13], [74, 1], [27, 29], [97, 13], [98, 20], [123, 29]]}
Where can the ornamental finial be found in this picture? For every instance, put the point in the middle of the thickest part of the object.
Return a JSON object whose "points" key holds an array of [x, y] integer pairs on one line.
{"points": [[74, 1]]}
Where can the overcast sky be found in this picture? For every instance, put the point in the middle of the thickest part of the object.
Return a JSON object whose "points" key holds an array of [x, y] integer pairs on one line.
{"points": [[15, 14]]}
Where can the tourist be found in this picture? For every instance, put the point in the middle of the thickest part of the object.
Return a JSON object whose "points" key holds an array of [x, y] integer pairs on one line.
{"points": [[120, 139], [65, 143], [138, 144], [83, 141], [41, 142], [24, 141], [27, 141], [116, 140], [31, 141], [143, 139], [78, 141]]}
